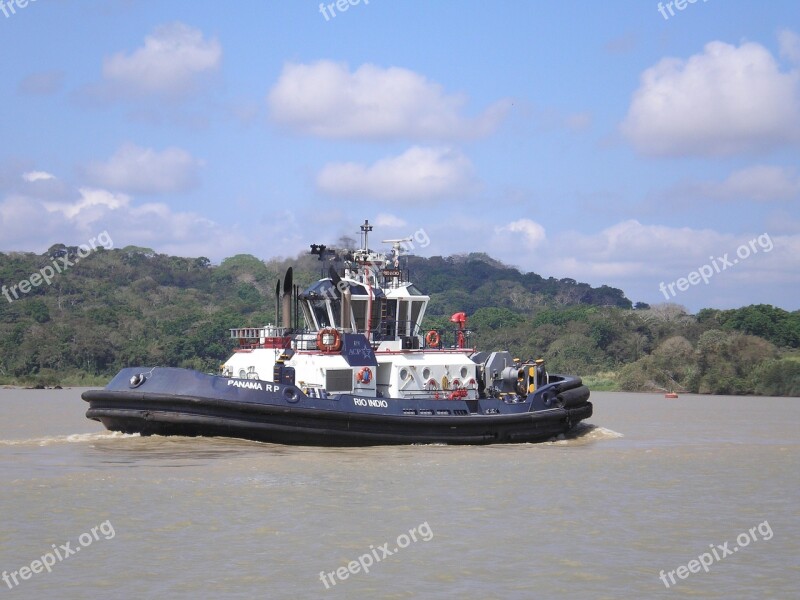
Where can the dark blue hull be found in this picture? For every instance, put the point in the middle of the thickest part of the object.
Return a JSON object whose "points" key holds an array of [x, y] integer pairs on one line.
{"points": [[171, 401]]}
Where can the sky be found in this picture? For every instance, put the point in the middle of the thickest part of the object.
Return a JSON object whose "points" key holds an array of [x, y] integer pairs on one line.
{"points": [[647, 146]]}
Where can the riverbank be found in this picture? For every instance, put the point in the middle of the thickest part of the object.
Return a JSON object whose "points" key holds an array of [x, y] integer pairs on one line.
{"points": [[607, 381], [50, 382]]}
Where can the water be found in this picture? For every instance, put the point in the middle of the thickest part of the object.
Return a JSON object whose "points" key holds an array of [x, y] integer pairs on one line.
{"points": [[650, 485]]}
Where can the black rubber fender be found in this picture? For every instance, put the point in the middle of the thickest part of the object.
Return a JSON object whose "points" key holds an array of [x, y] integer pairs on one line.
{"points": [[568, 384], [573, 397]]}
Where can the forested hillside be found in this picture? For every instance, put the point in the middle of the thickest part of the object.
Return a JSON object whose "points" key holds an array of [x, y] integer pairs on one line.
{"points": [[131, 306]]}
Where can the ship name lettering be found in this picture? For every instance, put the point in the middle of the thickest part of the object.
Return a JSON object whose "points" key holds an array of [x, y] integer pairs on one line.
{"points": [[370, 402], [249, 385]]}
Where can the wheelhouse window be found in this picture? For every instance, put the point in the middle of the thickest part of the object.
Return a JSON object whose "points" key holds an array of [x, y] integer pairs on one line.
{"points": [[416, 310], [319, 309], [359, 312], [402, 318]]}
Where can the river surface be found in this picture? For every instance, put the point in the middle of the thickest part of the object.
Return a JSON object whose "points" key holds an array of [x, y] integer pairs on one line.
{"points": [[650, 485]]}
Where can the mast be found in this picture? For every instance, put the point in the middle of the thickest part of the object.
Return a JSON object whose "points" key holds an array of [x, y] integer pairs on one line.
{"points": [[365, 229]]}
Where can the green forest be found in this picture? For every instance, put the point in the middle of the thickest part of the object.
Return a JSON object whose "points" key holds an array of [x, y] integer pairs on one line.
{"points": [[134, 307]]}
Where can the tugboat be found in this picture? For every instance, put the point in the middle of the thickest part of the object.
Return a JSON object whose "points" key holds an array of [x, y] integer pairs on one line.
{"points": [[360, 372]]}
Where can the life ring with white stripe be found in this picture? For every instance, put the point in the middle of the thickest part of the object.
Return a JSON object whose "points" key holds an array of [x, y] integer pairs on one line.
{"points": [[364, 375], [433, 339], [329, 340]]}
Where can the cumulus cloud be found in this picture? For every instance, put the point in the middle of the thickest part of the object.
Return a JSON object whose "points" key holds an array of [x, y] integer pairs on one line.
{"points": [[326, 99], [418, 174], [638, 258], [30, 221], [389, 221], [23, 180], [171, 63], [32, 176], [635, 257], [144, 170], [790, 45], [782, 221], [530, 232], [762, 183], [629, 249], [723, 101], [757, 183], [86, 207]]}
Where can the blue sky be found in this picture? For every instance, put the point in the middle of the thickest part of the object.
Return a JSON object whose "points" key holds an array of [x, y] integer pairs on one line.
{"points": [[598, 141]]}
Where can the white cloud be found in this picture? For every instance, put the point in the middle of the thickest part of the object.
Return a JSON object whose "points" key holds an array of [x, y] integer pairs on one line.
{"points": [[389, 221], [762, 183], [418, 174], [33, 176], [757, 183], [86, 207], [22, 180], [637, 257], [28, 222], [629, 249], [531, 232], [726, 100], [325, 99], [172, 59], [144, 170], [790, 45], [782, 221]]}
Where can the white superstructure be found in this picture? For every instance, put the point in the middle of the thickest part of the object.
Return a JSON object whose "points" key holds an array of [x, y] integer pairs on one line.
{"points": [[362, 335]]}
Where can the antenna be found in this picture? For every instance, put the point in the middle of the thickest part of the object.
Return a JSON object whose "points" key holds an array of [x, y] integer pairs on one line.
{"points": [[365, 229], [319, 250], [397, 247]]}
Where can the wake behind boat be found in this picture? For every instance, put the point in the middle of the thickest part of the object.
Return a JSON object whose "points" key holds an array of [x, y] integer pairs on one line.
{"points": [[361, 371]]}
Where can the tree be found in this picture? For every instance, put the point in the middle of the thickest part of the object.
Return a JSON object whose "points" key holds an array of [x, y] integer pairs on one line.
{"points": [[494, 318], [764, 320], [777, 377]]}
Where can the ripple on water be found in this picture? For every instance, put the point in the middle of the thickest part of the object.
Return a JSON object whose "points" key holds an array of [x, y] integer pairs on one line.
{"points": [[584, 433], [74, 438]]}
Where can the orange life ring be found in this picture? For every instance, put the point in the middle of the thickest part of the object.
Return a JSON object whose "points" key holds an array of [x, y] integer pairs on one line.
{"points": [[333, 345], [364, 375], [432, 338]]}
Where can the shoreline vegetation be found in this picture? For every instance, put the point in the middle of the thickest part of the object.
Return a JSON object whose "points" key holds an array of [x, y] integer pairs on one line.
{"points": [[68, 382], [599, 382], [132, 306]]}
